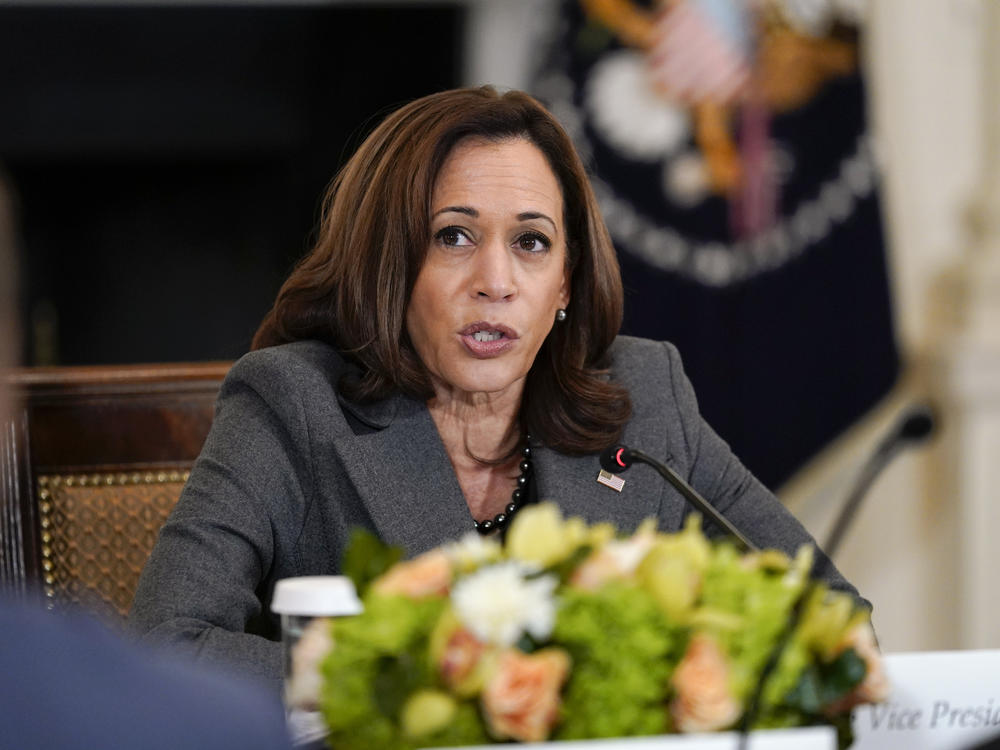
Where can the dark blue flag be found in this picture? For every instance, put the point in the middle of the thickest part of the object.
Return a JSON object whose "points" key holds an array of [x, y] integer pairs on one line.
{"points": [[729, 152]]}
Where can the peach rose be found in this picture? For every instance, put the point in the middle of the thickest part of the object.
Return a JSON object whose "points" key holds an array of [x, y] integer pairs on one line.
{"points": [[462, 653], [875, 686], [521, 699], [703, 700], [424, 576]]}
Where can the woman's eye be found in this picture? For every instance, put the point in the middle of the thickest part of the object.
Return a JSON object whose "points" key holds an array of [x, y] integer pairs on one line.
{"points": [[453, 237], [532, 242]]}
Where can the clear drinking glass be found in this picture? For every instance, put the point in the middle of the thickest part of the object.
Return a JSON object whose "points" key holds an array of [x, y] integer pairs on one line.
{"points": [[306, 605]]}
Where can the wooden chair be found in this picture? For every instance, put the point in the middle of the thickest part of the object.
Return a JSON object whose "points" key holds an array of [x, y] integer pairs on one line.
{"points": [[91, 463]]}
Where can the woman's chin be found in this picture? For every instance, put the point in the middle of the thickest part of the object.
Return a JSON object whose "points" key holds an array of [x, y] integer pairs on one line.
{"points": [[495, 381]]}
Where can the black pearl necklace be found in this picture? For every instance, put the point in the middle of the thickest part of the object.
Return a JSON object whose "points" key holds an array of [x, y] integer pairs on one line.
{"points": [[517, 497]]}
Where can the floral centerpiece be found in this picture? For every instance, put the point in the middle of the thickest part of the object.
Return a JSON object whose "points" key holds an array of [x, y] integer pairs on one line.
{"points": [[568, 631]]}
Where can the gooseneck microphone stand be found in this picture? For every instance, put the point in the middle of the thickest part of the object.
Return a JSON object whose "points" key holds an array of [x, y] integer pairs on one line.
{"points": [[618, 458], [914, 426]]}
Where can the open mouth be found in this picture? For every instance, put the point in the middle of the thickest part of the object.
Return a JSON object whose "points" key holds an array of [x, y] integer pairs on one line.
{"points": [[485, 331], [487, 335], [484, 339]]}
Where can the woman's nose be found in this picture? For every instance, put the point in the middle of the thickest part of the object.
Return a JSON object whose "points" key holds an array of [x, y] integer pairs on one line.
{"points": [[493, 277]]}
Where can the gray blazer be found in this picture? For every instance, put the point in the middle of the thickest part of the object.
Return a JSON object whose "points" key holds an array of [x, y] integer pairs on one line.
{"points": [[290, 467]]}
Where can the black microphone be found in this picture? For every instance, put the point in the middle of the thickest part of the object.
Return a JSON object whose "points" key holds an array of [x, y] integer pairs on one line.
{"points": [[914, 426], [618, 458]]}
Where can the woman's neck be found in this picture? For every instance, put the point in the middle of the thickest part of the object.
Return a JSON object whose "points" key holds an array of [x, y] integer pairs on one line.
{"points": [[476, 427], [479, 431]]}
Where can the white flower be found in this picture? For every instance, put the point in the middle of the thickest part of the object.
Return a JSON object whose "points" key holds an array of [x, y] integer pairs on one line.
{"points": [[498, 604], [473, 551]]}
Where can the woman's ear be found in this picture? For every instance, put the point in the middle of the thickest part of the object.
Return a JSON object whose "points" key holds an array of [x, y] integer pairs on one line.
{"points": [[564, 290]]}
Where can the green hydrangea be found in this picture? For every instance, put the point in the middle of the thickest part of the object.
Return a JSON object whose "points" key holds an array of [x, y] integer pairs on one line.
{"points": [[746, 595], [623, 649]]}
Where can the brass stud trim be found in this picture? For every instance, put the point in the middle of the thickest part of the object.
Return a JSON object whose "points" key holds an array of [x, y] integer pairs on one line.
{"points": [[48, 482]]}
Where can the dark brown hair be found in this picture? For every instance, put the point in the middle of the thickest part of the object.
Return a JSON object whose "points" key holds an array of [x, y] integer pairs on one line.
{"points": [[353, 289]]}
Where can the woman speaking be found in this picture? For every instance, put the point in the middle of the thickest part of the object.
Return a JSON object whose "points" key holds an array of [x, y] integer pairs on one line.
{"points": [[445, 354]]}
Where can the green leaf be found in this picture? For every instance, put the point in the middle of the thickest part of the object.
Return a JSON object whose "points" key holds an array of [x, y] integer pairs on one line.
{"points": [[805, 696], [367, 557], [822, 684], [527, 644], [844, 673], [396, 678]]}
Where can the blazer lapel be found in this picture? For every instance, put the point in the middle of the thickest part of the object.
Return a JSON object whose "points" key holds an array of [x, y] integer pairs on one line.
{"points": [[571, 482], [403, 476]]}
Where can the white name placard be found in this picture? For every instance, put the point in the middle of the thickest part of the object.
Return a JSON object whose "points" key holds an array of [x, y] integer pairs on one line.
{"points": [[940, 700], [807, 738]]}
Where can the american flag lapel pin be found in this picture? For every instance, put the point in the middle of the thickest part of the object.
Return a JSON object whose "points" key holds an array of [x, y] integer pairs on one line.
{"points": [[608, 479]]}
